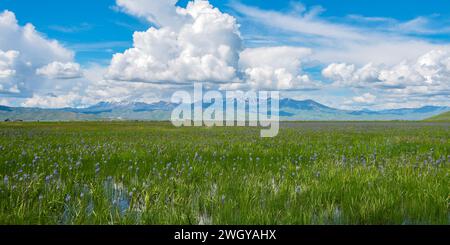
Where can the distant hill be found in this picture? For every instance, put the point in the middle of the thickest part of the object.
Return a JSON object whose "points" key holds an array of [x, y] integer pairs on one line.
{"points": [[443, 117], [290, 110], [37, 114]]}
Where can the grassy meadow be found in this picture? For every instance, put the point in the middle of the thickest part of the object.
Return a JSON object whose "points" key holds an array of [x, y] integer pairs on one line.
{"points": [[154, 173]]}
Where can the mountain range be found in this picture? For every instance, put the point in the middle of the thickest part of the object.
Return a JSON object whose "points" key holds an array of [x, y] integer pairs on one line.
{"points": [[290, 109]]}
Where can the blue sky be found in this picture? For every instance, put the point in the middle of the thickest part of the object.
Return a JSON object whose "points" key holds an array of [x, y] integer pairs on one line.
{"points": [[348, 53], [95, 30], [91, 28]]}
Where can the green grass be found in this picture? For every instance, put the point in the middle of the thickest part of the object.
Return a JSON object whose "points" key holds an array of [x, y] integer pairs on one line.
{"points": [[153, 173], [444, 117]]}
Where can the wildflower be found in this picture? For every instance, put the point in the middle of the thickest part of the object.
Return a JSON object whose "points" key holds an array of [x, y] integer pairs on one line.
{"points": [[67, 198], [298, 189], [5, 180], [214, 189], [41, 197], [35, 159], [223, 199], [314, 157]]}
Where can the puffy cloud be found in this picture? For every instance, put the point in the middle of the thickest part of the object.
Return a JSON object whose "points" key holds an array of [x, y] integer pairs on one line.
{"points": [[32, 45], [341, 73], [204, 47], [52, 101], [22, 51], [7, 61], [426, 76], [366, 98], [60, 70], [275, 68], [199, 43], [276, 78], [347, 75]]}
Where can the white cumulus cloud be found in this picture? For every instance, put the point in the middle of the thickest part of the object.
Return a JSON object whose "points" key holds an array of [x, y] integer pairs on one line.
{"points": [[7, 61], [275, 68], [22, 51], [424, 77], [52, 101], [60, 70], [200, 43], [205, 46], [366, 98], [431, 69]]}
